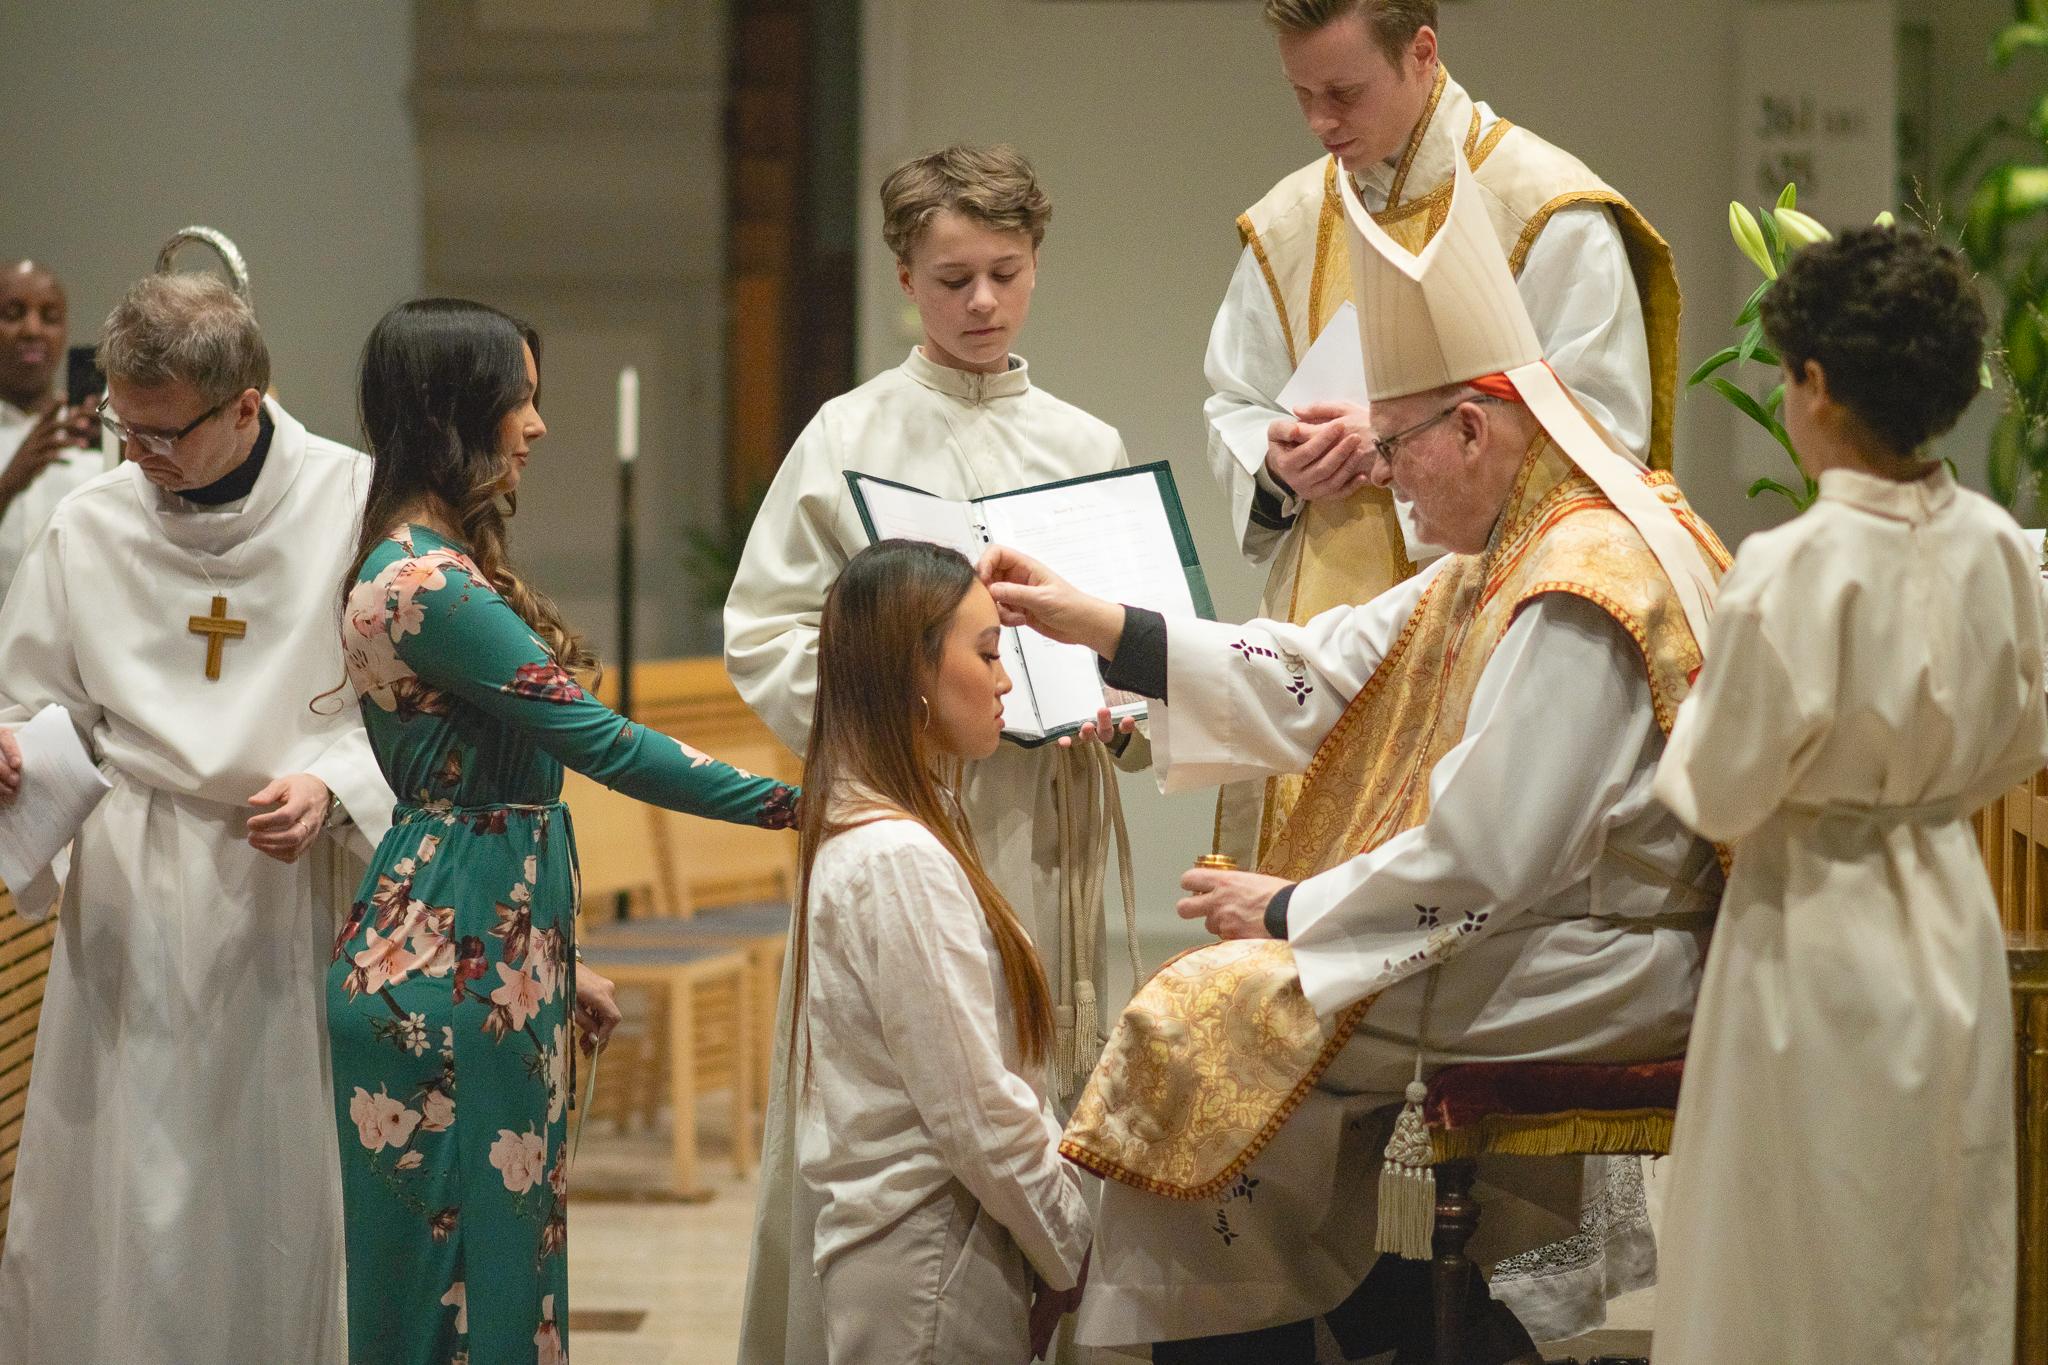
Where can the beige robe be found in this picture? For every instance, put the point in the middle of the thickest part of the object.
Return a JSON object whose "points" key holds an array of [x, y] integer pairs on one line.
{"points": [[1842, 1183]]}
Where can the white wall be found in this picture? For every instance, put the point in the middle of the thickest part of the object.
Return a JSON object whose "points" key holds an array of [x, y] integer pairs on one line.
{"points": [[1154, 124], [283, 125]]}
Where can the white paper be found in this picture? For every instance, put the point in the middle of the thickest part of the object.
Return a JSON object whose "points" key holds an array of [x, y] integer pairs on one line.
{"points": [[59, 788], [1333, 371], [1110, 537], [907, 514]]}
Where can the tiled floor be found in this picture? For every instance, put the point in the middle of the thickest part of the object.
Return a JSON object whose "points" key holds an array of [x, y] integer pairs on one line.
{"points": [[684, 1266]]}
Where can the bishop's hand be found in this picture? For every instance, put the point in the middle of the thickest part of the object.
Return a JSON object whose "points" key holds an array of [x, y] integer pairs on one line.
{"points": [[1229, 904], [1029, 594], [10, 768], [298, 811]]}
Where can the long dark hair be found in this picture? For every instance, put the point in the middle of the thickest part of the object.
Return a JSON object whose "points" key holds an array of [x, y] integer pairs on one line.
{"points": [[879, 642], [438, 378]]}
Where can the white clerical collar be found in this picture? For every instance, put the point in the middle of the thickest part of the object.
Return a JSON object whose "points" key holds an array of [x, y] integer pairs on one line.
{"points": [[1914, 501], [967, 384]]}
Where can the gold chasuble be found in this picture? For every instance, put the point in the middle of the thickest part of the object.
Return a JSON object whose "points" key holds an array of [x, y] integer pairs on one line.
{"points": [[1219, 1048], [1347, 551]]}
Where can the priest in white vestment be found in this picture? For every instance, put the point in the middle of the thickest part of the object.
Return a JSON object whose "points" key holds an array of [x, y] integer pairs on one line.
{"points": [[959, 418], [178, 1194], [1521, 894], [45, 449], [1843, 1174]]}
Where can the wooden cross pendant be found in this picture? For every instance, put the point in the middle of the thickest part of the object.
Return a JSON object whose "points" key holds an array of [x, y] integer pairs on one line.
{"points": [[218, 628]]}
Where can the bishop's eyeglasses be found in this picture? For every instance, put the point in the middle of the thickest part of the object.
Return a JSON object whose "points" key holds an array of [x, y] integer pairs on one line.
{"points": [[1385, 446]]}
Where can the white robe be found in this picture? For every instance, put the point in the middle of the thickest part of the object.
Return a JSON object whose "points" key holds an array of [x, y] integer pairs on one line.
{"points": [[958, 435], [1542, 834], [178, 1196], [26, 515], [1843, 1173]]}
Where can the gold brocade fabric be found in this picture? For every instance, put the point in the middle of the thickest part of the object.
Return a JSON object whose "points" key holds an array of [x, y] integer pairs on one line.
{"points": [[1206, 1063], [1216, 1051]]}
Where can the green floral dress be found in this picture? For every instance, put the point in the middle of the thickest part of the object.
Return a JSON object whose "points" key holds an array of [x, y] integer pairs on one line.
{"points": [[450, 997]]}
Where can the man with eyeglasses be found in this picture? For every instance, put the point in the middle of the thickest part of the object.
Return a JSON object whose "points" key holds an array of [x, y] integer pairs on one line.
{"points": [[1477, 869], [1596, 278], [44, 450], [177, 1196]]}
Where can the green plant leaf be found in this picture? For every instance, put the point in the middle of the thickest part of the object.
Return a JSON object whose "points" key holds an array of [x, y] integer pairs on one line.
{"points": [[1755, 305], [1774, 240], [2007, 195], [1751, 339], [1959, 166], [1776, 402], [2007, 458], [1754, 410], [1768, 485], [1712, 363], [2015, 39]]}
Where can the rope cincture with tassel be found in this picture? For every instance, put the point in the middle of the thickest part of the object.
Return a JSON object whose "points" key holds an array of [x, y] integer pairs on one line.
{"points": [[1078, 1034], [1407, 1195]]}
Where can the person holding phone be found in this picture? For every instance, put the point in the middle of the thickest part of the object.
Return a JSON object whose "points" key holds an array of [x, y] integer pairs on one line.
{"points": [[43, 438]]}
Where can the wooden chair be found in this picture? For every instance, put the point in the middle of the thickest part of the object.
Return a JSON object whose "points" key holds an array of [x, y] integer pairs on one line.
{"points": [[25, 950], [1528, 1109], [696, 1029]]}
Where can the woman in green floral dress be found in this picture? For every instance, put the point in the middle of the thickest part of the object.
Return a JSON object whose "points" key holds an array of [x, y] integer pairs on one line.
{"points": [[449, 998]]}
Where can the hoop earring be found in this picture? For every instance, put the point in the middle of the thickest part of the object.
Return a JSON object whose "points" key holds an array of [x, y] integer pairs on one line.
{"points": [[927, 725]]}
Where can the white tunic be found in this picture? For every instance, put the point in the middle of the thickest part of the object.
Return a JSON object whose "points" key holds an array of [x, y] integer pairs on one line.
{"points": [[1544, 837], [1580, 292], [178, 1196], [1842, 1184], [32, 507], [917, 1079], [959, 435]]}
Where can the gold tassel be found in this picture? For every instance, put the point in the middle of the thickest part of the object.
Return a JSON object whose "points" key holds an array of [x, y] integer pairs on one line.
{"points": [[1407, 1223]]}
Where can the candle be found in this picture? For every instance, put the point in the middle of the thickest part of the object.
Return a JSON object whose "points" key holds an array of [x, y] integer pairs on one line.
{"points": [[629, 414]]}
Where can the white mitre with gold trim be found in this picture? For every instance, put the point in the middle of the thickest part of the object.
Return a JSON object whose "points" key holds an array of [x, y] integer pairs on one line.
{"points": [[1451, 315]]}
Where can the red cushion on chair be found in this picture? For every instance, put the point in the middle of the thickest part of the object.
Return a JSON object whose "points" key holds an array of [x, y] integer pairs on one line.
{"points": [[1461, 1096]]}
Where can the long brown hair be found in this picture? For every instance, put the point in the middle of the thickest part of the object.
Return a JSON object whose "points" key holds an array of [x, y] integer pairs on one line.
{"points": [[879, 642], [438, 377]]}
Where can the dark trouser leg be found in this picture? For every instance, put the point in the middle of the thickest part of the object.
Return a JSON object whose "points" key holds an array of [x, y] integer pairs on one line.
{"points": [[1388, 1311], [1392, 1311], [1292, 1344]]}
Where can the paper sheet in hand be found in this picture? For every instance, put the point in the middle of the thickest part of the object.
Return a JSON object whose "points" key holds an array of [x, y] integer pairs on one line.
{"points": [[59, 788], [1333, 371], [1120, 535]]}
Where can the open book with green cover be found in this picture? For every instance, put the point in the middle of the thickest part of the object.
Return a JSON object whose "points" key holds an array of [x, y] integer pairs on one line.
{"points": [[1120, 535]]}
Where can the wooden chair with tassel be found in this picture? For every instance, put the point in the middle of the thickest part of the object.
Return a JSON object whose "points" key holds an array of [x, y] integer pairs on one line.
{"points": [[1528, 1109], [694, 1033]]}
